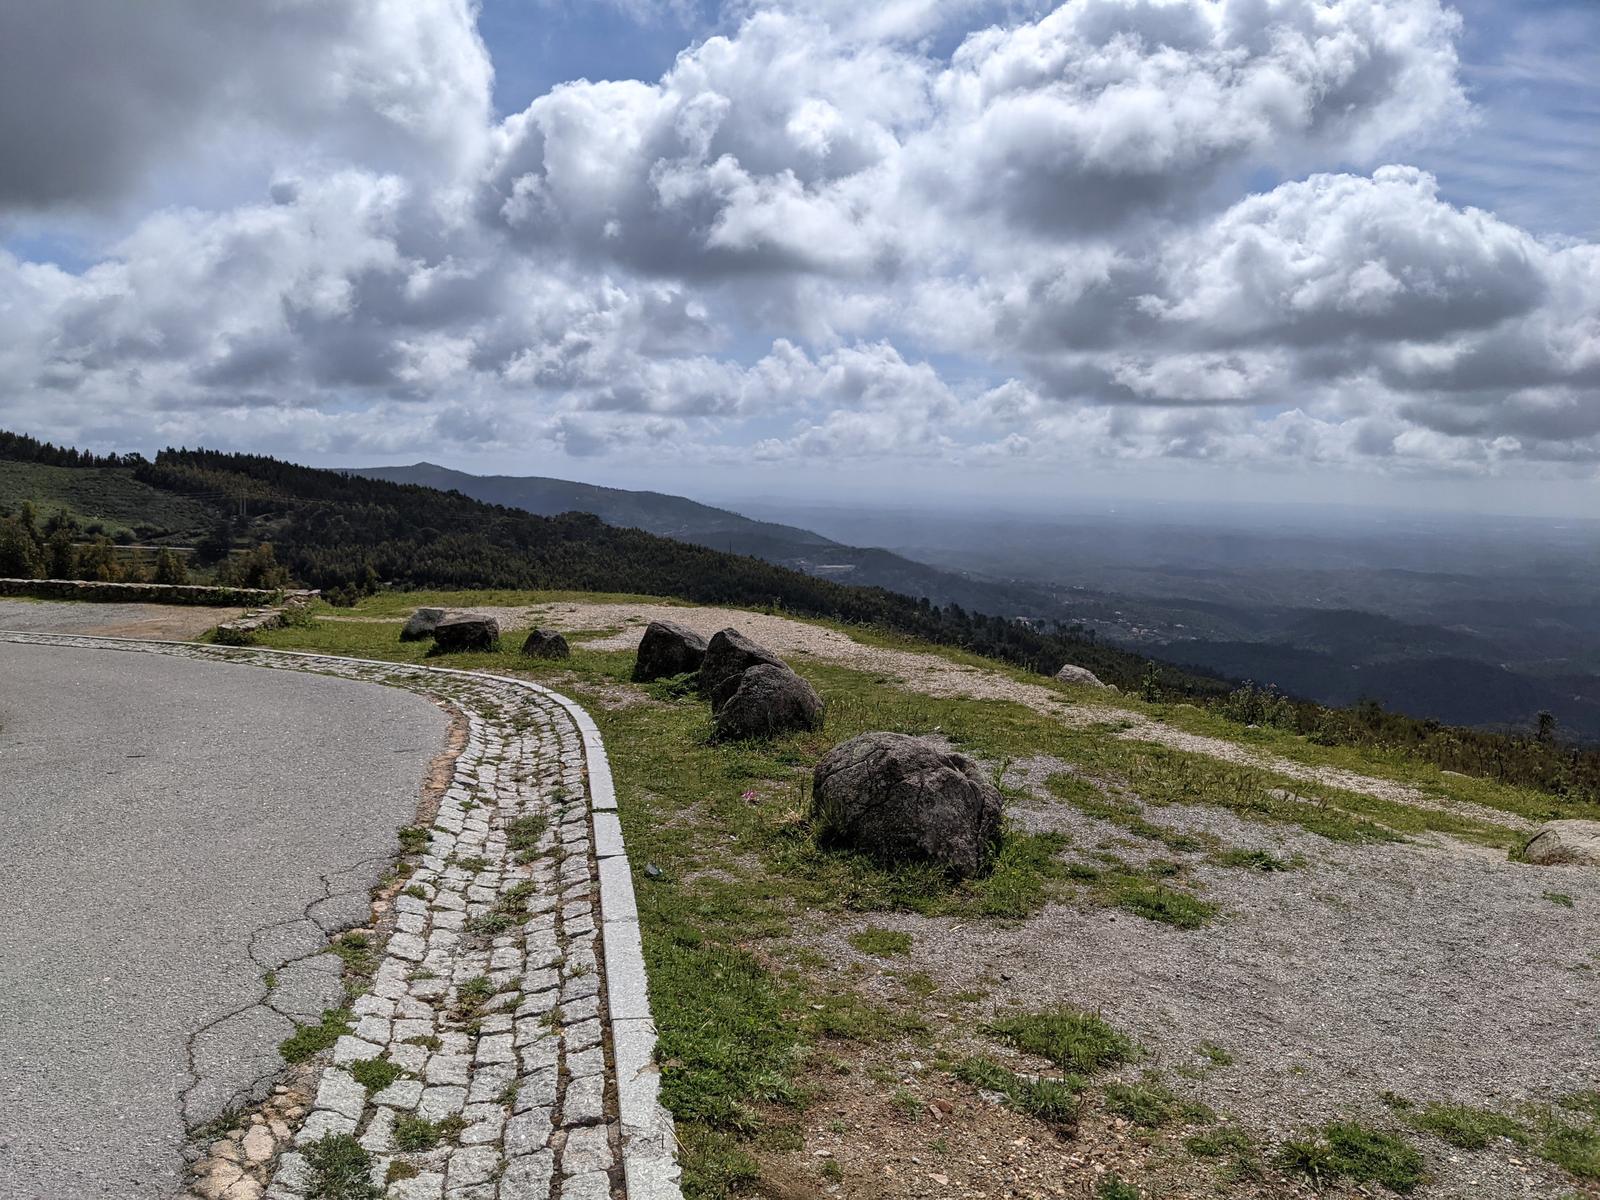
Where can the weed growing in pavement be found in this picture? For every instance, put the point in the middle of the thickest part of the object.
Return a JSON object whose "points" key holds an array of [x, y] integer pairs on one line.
{"points": [[356, 951], [413, 839], [413, 1134], [340, 1169], [374, 1074], [308, 1040], [471, 996], [523, 834]]}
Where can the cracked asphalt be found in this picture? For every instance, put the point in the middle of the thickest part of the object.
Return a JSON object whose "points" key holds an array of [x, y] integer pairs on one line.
{"points": [[169, 830]]}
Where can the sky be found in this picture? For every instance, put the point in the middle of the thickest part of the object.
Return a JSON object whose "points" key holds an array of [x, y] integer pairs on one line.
{"points": [[1298, 250]]}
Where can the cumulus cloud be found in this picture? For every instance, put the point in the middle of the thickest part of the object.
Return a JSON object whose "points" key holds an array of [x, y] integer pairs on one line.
{"points": [[981, 232], [97, 94]]}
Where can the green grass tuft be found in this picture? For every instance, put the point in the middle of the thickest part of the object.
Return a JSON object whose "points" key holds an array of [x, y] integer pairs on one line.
{"points": [[1073, 1040], [1467, 1127], [881, 943], [1348, 1149]]}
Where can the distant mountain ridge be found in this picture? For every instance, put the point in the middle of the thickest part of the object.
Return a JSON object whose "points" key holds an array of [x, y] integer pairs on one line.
{"points": [[721, 529]]}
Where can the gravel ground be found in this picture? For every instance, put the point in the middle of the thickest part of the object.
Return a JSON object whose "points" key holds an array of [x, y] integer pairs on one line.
{"points": [[175, 622], [1435, 970]]}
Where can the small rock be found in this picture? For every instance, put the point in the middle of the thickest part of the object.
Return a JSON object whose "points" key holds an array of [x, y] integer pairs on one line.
{"points": [[258, 1145], [421, 624], [545, 644], [1082, 675]]}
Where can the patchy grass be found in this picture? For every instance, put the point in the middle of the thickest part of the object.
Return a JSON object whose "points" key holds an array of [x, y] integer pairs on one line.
{"points": [[1351, 1150], [1560, 899], [1149, 1103], [1114, 1187], [1241, 1160], [881, 943], [1056, 1102], [1257, 860], [1156, 901]]}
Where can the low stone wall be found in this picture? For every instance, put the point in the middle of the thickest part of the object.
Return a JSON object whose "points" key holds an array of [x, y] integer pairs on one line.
{"points": [[137, 593]]}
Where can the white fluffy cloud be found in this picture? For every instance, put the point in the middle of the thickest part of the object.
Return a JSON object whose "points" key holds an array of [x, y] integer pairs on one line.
{"points": [[1124, 229]]}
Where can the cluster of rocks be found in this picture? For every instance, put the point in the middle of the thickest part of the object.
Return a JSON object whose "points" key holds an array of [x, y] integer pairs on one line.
{"points": [[235, 1165], [753, 692], [454, 633], [894, 797]]}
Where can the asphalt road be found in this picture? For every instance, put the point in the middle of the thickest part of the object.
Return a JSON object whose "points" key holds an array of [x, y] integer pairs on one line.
{"points": [[167, 828]]}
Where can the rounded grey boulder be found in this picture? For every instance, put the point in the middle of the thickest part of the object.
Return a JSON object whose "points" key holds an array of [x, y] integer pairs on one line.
{"points": [[730, 653], [903, 799], [542, 643], [668, 649], [421, 624], [1556, 842], [763, 702], [465, 632], [1076, 674]]}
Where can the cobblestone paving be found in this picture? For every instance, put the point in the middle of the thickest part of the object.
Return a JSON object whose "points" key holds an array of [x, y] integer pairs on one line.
{"points": [[510, 995]]}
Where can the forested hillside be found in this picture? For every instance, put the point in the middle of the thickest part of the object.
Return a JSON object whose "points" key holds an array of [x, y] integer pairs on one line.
{"points": [[718, 529]]}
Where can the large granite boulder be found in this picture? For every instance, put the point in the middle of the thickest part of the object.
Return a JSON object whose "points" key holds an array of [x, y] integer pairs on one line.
{"points": [[668, 649], [466, 632], [763, 702], [1565, 842], [1076, 674], [421, 625], [545, 643], [728, 654], [905, 799]]}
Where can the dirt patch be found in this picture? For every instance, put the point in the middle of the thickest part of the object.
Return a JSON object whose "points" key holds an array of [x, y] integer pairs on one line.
{"points": [[891, 1125]]}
